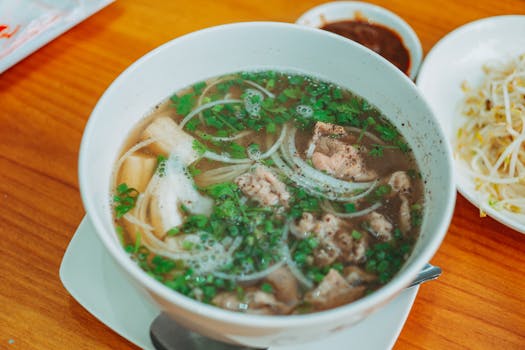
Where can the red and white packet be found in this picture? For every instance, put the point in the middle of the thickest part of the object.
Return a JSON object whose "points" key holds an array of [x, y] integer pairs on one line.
{"points": [[27, 25]]}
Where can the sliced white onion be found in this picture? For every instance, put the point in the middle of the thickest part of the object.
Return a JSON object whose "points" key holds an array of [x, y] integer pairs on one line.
{"points": [[310, 150], [227, 159], [295, 270], [317, 188]]}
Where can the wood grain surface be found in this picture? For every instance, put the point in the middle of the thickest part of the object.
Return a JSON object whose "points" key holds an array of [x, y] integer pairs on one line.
{"points": [[45, 101]]}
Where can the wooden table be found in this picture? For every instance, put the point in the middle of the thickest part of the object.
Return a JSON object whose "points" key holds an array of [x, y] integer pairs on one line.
{"points": [[45, 101]]}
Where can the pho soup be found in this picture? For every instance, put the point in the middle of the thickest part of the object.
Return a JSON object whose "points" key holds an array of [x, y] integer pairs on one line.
{"points": [[268, 193]]}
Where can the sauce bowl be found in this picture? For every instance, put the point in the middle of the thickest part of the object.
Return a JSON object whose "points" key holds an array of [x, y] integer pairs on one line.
{"points": [[337, 11], [249, 46]]}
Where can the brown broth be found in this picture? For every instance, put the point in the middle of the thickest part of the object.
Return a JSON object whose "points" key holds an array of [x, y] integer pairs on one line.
{"points": [[265, 227]]}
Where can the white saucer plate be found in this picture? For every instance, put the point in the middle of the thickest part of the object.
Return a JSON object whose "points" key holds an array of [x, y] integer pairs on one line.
{"points": [[459, 57], [93, 279]]}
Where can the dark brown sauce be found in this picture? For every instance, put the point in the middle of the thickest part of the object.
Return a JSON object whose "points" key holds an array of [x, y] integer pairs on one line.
{"points": [[378, 38]]}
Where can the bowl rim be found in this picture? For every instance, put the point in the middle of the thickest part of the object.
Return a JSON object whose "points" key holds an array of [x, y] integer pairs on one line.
{"points": [[379, 297], [408, 36]]}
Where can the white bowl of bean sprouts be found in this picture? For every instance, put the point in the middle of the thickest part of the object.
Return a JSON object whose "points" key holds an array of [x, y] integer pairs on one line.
{"points": [[478, 98], [272, 189]]}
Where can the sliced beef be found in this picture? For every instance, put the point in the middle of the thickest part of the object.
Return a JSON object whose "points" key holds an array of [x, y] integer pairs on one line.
{"points": [[285, 286], [253, 302], [333, 291], [263, 186], [379, 226], [335, 156]]}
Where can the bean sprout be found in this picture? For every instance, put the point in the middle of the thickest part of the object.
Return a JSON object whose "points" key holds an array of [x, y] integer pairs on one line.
{"points": [[491, 141]]}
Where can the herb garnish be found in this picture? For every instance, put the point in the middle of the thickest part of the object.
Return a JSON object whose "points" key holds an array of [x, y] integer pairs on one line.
{"points": [[124, 200]]}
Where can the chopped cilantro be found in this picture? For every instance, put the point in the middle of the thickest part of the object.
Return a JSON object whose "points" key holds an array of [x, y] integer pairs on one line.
{"points": [[183, 104], [379, 193], [161, 165], [267, 288], [197, 88], [349, 207], [416, 215], [199, 147], [173, 231], [386, 258], [356, 234]]}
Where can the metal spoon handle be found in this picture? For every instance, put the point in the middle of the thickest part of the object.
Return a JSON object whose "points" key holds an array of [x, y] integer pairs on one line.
{"points": [[428, 273]]}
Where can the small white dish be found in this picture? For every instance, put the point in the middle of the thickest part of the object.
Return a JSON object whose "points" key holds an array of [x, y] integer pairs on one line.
{"points": [[458, 57], [90, 275], [348, 10]]}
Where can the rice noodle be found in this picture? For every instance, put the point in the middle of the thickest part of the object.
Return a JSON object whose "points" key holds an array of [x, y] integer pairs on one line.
{"points": [[135, 221], [204, 107], [491, 141], [227, 96], [329, 208], [227, 159], [222, 174], [365, 133], [205, 91], [128, 153], [229, 138]]}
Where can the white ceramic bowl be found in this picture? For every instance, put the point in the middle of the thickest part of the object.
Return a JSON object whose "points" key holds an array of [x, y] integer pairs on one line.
{"points": [[348, 10], [248, 46]]}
